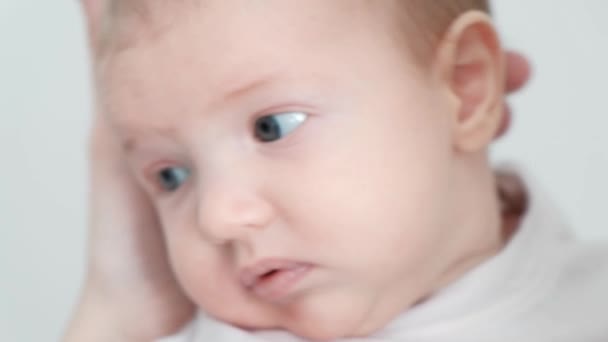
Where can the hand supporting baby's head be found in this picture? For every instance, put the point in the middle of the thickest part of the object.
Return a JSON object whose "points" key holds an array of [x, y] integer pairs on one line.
{"points": [[317, 166]]}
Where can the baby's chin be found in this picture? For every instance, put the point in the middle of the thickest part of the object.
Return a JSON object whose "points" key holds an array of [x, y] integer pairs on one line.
{"points": [[328, 329], [325, 317], [333, 319]]}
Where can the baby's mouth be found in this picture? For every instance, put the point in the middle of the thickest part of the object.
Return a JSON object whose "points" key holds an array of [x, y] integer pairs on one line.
{"points": [[273, 279]]}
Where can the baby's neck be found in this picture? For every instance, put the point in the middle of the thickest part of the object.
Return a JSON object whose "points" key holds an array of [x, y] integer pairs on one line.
{"points": [[494, 202]]}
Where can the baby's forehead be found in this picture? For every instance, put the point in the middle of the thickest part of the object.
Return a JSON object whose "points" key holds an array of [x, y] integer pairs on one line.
{"points": [[131, 22], [261, 40], [140, 86], [427, 19]]}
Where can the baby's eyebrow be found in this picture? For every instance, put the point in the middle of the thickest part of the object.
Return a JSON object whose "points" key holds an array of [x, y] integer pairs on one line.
{"points": [[131, 140], [240, 88]]}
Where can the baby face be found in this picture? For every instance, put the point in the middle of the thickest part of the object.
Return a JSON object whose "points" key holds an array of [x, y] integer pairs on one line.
{"points": [[299, 160]]}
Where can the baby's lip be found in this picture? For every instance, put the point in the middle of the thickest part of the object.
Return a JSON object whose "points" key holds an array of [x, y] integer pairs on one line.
{"points": [[250, 275], [274, 279]]}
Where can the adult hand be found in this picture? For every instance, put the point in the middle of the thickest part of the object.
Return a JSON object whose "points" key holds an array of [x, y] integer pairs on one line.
{"points": [[518, 74], [130, 292]]}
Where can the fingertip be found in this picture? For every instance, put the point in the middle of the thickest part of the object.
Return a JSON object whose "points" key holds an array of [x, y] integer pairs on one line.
{"points": [[519, 70]]}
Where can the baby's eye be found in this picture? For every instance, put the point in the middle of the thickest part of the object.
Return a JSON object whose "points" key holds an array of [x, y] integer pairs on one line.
{"points": [[171, 178], [274, 127]]}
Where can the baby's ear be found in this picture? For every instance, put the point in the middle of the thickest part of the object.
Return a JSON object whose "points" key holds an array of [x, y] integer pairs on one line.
{"points": [[471, 62]]}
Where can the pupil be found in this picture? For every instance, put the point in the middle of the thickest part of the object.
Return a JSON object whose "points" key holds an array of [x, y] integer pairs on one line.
{"points": [[167, 179], [265, 127], [268, 129]]}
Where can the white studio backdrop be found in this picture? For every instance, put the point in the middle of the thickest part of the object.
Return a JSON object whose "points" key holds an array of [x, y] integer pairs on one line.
{"points": [[560, 133]]}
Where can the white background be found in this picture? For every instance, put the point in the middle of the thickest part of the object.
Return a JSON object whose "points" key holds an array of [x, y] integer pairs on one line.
{"points": [[560, 132]]}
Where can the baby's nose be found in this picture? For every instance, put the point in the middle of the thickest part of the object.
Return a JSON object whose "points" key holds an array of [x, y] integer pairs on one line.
{"points": [[228, 212]]}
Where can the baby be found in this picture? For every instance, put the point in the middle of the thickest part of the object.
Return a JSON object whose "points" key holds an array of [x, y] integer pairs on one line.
{"points": [[318, 170]]}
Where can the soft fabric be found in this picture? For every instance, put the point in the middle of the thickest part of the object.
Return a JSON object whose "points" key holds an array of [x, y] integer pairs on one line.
{"points": [[544, 286]]}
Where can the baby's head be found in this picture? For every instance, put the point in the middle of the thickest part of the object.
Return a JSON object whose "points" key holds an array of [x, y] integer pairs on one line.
{"points": [[318, 166]]}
